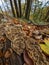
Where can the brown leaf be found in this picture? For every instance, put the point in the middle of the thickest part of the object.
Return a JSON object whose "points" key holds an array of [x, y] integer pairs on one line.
{"points": [[27, 59], [7, 53]]}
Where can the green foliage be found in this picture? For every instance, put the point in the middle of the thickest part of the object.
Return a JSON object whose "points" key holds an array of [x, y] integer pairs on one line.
{"points": [[39, 13]]}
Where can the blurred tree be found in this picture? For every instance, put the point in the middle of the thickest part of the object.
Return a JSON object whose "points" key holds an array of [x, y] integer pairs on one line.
{"points": [[12, 8], [17, 4], [6, 2], [20, 11], [4, 6], [16, 7], [28, 8]]}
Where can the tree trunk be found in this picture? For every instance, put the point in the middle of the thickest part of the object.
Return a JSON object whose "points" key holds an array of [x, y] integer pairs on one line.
{"points": [[12, 8], [20, 11], [28, 8], [16, 7]]}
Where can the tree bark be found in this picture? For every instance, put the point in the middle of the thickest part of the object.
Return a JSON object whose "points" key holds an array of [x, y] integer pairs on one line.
{"points": [[16, 7], [12, 8], [28, 8], [20, 11]]}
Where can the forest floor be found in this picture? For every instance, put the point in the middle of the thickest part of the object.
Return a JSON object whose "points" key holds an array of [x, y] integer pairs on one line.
{"points": [[34, 39]]}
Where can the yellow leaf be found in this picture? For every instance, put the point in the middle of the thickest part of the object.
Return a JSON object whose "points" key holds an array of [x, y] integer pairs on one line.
{"points": [[44, 48], [46, 42]]}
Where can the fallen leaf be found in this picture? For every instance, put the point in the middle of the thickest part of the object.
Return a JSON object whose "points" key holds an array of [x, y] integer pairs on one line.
{"points": [[45, 49], [27, 59], [46, 42], [7, 54]]}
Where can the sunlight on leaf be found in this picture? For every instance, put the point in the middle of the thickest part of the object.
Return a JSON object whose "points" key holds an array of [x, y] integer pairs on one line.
{"points": [[45, 49], [46, 42]]}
